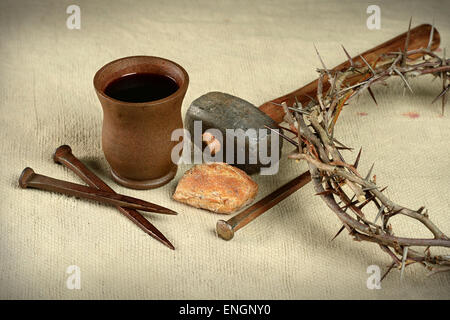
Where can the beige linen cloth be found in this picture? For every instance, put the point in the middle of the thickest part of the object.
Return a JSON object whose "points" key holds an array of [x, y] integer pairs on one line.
{"points": [[256, 50]]}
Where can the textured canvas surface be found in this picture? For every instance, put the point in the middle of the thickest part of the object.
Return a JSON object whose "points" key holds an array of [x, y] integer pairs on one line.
{"points": [[256, 50]]}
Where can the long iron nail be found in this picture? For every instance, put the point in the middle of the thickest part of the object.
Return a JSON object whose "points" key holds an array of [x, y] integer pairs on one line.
{"points": [[30, 179], [64, 156], [226, 229]]}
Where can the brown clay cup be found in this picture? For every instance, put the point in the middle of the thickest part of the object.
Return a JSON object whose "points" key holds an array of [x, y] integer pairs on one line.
{"points": [[136, 137]]}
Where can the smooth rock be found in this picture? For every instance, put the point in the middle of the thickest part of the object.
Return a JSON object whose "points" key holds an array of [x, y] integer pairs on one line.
{"points": [[217, 110]]}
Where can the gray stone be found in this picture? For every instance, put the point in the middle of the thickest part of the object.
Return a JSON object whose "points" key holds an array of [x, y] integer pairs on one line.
{"points": [[217, 110]]}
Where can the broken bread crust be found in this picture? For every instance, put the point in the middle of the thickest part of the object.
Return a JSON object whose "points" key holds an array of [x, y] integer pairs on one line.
{"points": [[218, 187]]}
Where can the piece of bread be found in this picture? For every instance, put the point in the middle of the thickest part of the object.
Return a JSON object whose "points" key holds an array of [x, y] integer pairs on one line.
{"points": [[218, 187]]}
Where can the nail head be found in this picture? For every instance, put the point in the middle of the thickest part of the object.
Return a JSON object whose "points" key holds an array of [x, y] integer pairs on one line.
{"points": [[60, 152], [25, 176], [224, 230]]}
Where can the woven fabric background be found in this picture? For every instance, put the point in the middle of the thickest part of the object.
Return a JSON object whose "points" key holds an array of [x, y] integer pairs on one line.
{"points": [[257, 50]]}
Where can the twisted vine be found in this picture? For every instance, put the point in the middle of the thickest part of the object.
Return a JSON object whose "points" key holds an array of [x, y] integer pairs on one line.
{"points": [[339, 183]]}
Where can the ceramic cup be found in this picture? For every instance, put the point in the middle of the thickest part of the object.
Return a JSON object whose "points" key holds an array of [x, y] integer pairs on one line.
{"points": [[136, 137]]}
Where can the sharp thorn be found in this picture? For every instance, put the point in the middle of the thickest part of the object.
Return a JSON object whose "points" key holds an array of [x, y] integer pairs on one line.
{"points": [[283, 136], [379, 213], [344, 148], [338, 233], [404, 80], [372, 95], [348, 56], [321, 61], [430, 41], [297, 103], [443, 103], [443, 92], [388, 270], [369, 173], [355, 165], [405, 254], [340, 143], [408, 35], [368, 65], [369, 189], [444, 82]]}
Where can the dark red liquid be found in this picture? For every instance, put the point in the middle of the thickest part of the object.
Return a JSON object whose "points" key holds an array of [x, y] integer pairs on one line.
{"points": [[141, 87]]}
